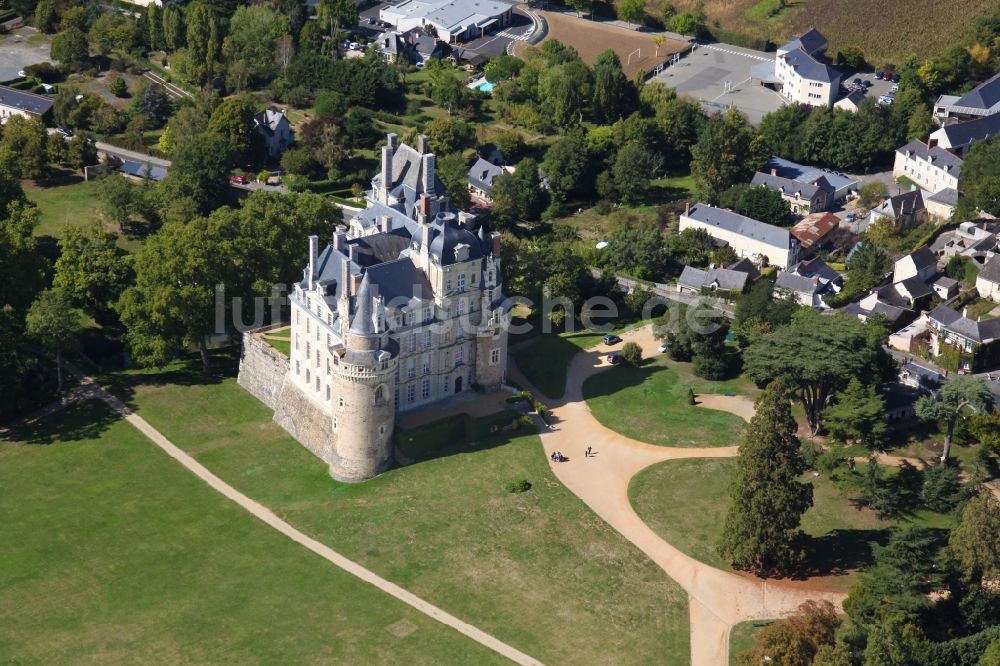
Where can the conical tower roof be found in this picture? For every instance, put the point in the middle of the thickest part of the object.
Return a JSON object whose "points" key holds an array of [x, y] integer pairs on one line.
{"points": [[362, 322]]}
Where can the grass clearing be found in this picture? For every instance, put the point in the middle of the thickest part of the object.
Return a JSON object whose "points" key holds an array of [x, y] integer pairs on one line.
{"points": [[69, 201], [114, 551], [742, 636], [524, 567], [650, 403], [841, 534]]}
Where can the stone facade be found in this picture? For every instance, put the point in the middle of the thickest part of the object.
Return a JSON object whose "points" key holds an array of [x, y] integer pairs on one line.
{"points": [[262, 369]]}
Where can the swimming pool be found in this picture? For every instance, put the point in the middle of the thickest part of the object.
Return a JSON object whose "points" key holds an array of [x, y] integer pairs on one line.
{"points": [[486, 86]]}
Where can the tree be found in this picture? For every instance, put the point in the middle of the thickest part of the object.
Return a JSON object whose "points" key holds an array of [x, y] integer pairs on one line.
{"points": [[637, 249], [118, 87], [517, 196], [941, 487], [981, 175], [895, 640], [202, 34], [567, 168], [153, 102], [728, 152], [233, 121], [857, 415], [21, 264], [563, 91], [112, 31], [254, 34], [761, 532], [91, 270], [447, 135], [54, 324], [634, 167], [631, 353], [758, 312], [22, 147], [632, 11], [122, 201], [46, 14], [852, 58], [867, 266], [81, 152], [614, 96], [199, 173], [794, 640], [872, 194], [503, 68], [337, 12], [960, 393], [453, 171], [331, 103], [70, 47], [760, 203], [817, 355]]}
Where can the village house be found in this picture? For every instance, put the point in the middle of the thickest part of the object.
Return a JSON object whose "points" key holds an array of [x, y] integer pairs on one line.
{"points": [[981, 101], [762, 243], [272, 124], [801, 197], [414, 47], [920, 264], [814, 231], [800, 72], [942, 204], [961, 343], [929, 166], [945, 288], [15, 102], [972, 238], [988, 279], [959, 137], [481, 176], [850, 102], [696, 281], [807, 175], [808, 282], [904, 211]]}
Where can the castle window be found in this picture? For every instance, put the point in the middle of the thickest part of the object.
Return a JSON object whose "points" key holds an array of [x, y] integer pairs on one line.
{"points": [[427, 364], [327, 391], [425, 390], [411, 393], [329, 370], [298, 316], [296, 341], [381, 431], [411, 371], [317, 358], [329, 340], [308, 376], [340, 401], [473, 278], [459, 356], [411, 343], [461, 307], [308, 350], [447, 287], [461, 283], [427, 338], [308, 329], [427, 315], [459, 333], [494, 356], [297, 369], [385, 365], [317, 383], [379, 394]]}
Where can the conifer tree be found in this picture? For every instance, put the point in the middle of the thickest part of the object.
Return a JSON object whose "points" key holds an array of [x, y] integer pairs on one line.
{"points": [[761, 532]]}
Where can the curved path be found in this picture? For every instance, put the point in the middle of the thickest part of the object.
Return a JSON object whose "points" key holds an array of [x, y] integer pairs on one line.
{"points": [[90, 389], [718, 599]]}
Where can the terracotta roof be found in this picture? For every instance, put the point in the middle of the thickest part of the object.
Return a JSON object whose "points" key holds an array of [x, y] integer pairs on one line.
{"points": [[813, 228]]}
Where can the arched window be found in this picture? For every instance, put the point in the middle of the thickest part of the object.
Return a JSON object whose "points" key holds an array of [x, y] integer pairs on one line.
{"points": [[380, 394]]}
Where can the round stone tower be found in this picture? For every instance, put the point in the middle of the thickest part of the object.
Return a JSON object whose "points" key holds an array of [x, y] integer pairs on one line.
{"points": [[364, 382]]}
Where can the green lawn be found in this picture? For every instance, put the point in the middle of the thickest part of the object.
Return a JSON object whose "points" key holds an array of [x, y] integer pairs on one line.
{"points": [[284, 345], [650, 403], [531, 568], [115, 554], [841, 534], [545, 359], [72, 202], [741, 637]]}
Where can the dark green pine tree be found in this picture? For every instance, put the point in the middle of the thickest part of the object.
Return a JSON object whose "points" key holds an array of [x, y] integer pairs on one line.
{"points": [[761, 532]]}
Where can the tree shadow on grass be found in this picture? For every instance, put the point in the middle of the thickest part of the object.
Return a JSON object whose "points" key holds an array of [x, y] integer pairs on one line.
{"points": [[619, 378], [184, 372], [842, 551], [456, 435], [84, 420]]}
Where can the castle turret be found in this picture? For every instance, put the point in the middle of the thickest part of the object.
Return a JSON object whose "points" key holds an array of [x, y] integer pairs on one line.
{"points": [[364, 381]]}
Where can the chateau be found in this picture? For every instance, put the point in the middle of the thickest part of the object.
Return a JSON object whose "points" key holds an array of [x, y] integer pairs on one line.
{"points": [[401, 310]]}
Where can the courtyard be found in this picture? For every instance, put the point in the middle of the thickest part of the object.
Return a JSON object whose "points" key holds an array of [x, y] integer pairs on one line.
{"points": [[702, 75]]}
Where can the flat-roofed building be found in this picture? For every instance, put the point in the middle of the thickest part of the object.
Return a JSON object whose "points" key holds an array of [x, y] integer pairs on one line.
{"points": [[452, 20]]}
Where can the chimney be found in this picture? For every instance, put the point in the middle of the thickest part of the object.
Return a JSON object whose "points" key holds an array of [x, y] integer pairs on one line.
{"points": [[427, 163], [774, 172], [345, 279], [313, 248], [386, 172], [356, 282], [385, 225], [425, 237], [352, 252], [422, 146], [423, 209], [340, 239], [392, 140], [687, 207], [467, 220], [495, 243], [965, 313]]}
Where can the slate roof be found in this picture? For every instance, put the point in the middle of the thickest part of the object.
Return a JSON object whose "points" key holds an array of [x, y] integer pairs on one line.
{"points": [[983, 96], [923, 258], [725, 279], [807, 174], [810, 41], [789, 186], [25, 101], [742, 225], [991, 270], [143, 170], [362, 323], [447, 235], [483, 173], [925, 375], [936, 155], [744, 265], [906, 203], [854, 97], [406, 177], [945, 282], [962, 134], [948, 196], [916, 288], [951, 320], [269, 119], [799, 284], [808, 67], [816, 267], [400, 280]]}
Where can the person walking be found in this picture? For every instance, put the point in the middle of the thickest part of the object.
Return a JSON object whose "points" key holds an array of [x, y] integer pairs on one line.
{"points": [[587, 454]]}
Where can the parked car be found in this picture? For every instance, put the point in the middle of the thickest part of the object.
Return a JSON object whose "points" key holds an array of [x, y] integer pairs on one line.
{"points": [[856, 81], [613, 358], [611, 339], [887, 76], [239, 180], [878, 76], [866, 84], [894, 88], [370, 20], [895, 78], [663, 347], [64, 131]]}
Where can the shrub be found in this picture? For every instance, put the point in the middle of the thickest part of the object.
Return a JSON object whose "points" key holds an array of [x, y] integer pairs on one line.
{"points": [[709, 367], [940, 491], [517, 486], [691, 400], [520, 396], [46, 72], [631, 353], [524, 423], [118, 87]]}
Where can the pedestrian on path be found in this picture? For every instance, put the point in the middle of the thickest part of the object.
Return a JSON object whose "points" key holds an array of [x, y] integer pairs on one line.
{"points": [[587, 454]]}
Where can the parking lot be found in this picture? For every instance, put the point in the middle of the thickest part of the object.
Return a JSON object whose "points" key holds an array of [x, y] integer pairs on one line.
{"points": [[702, 75], [19, 49], [878, 88]]}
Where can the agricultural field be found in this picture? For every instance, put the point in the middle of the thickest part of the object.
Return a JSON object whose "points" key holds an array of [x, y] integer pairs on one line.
{"points": [[885, 31], [590, 38]]}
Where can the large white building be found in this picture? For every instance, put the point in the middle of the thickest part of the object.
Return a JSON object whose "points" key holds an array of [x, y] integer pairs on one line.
{"points": [[452, 20], [800, 73], [761, 242], [929, 166]]}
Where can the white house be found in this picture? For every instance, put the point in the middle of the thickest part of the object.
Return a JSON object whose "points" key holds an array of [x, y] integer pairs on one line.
{"points": [[481, 176], [929, 166], [920, 264], [761, 242], [801, 74], [959, 137], [15, 102], [273, 125], [988, 280], [452, 20], [808, 281]]}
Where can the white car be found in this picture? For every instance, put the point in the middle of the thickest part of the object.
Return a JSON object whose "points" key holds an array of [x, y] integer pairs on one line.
{"points": [[662, 347], [354, 46], [22, 74]]}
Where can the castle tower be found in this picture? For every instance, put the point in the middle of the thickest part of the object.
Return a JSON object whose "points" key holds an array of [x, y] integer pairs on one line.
{"points": [[364, 379], [491, 334]]}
